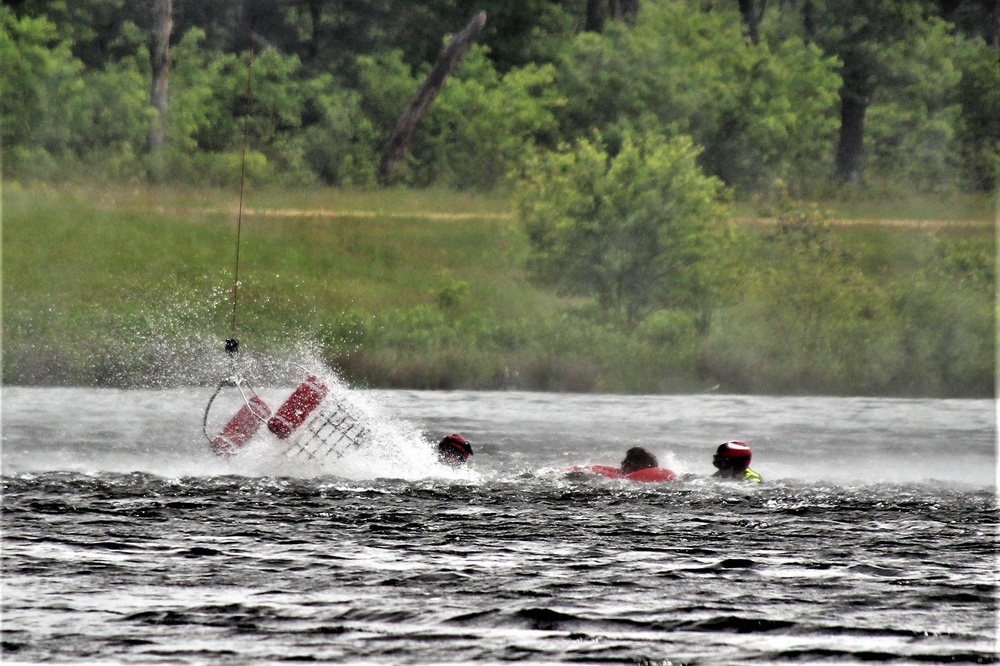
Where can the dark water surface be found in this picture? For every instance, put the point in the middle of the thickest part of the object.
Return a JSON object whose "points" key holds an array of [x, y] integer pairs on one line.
{"points": [[874, 537]]}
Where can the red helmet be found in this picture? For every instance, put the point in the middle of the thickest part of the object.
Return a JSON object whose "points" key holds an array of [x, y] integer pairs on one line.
{"points": [[454, 449], [731, 454]]}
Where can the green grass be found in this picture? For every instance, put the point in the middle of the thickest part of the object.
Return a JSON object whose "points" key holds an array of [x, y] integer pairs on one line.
{"points": [[943, 208], [121, 286], [71, 249], [859, 207], [391, 201], [78, 263]]}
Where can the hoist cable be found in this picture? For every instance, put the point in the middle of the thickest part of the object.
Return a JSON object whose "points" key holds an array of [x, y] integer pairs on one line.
{"points": [[239, 215]]}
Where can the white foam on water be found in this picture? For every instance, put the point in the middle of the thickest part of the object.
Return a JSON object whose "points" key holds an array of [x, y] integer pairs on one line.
{"points": [[388, 448], [839, 441]]}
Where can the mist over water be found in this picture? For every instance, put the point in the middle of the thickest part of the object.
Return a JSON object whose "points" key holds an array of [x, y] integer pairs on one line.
{"points": [[836, 440], [125, 539]]}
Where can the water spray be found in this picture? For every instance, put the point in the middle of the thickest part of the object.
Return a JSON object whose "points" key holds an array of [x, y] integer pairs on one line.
{"points": [[332, 427], [254, 412]]}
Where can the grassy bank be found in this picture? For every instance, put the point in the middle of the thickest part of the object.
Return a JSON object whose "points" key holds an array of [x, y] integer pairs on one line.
{"points": [[426, 289]]}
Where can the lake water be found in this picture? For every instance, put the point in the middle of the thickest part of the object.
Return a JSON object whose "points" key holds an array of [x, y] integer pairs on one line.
{"points": [[874, 536]]}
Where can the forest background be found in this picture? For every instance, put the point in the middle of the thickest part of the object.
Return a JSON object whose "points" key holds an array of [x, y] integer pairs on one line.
{"points": [[609, 196]]}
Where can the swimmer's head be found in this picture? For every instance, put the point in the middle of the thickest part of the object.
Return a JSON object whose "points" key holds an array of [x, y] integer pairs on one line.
{"points": [[732, 455], [637, 458], [454, 450]]}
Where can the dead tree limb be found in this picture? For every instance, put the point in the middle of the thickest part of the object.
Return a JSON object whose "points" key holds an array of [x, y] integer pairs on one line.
{"points": [[452, 52]]}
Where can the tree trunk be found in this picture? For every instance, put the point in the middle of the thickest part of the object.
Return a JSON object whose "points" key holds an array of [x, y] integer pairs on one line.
{"points": [[809, 20], [316, 16], [750, 18], [624, 10], [159, 53], [994, 37], [595, 16], [453, 51], [631, 9], [617, 10], [852, 134]]}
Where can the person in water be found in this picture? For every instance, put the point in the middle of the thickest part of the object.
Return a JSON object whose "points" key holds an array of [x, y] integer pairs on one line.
{"points": [[732, 459], [454, 450], [637, 458]]}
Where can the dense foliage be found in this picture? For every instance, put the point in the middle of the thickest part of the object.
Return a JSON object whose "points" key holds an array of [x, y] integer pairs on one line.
{"points": [[841, 317], [331, 78], [624, 146], [137, 295], [639, 229]]}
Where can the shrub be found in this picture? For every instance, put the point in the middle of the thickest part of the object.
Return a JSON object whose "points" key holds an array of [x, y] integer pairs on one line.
{"points": [[637, 229]]}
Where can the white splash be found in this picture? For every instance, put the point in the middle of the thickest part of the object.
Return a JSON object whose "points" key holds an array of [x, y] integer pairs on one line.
{"points": [[388, 448]]}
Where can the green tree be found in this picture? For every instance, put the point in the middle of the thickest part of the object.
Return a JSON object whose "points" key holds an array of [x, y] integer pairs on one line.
{"points": [[57, 116], [637, 228], [979, 125], [861, 34], [478, 128], [913, 116], [91, 27], [908, 89], [38, 79], [337, 140], [759, 113], [110, 120], [286, 110], [484, 122]]}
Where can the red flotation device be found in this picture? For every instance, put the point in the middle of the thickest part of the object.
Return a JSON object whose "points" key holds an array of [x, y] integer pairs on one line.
{"points": [[647, 475], [299, 405], [241, 427], [652, 474]]}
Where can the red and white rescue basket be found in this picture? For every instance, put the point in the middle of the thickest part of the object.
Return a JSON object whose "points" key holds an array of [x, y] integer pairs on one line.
{"points": [[312, 422], [242, 427]]}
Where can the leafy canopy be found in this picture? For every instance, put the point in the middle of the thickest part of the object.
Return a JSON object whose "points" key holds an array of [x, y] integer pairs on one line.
{"points": [[759, 113], [637, 228]]}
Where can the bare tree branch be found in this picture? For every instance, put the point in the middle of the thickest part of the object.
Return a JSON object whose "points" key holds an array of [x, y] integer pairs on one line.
{"points": [[453, 51]]}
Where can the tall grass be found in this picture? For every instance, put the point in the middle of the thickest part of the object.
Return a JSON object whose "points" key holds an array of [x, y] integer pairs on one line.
{"points": [[404, 288]]}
